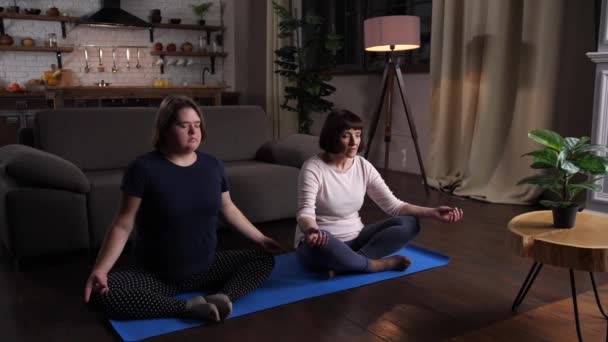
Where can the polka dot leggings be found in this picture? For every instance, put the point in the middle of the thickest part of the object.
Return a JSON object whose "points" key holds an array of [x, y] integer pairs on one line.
{"points": [[137, 293]]}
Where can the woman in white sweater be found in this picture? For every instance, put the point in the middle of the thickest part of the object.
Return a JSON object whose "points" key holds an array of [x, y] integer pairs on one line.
{"points": [[330, 236]]}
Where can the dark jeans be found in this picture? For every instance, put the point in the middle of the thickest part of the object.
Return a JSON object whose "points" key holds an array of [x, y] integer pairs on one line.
{"points": [[374, 242]]}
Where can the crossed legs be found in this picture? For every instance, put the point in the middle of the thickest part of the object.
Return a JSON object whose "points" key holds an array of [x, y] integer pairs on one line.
{"points": [[366, 252]]}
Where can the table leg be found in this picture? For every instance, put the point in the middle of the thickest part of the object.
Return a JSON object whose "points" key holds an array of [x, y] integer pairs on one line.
{"points": [[523, 291], [578, 324], [597, 296]]}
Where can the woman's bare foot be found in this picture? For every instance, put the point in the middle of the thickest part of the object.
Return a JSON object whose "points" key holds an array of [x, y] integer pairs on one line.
{"points": [[393, 263], [223, 304], [197, 307]]}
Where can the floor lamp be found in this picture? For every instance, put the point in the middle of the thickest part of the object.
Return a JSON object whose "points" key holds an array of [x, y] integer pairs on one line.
{"points": [[389, 34]]}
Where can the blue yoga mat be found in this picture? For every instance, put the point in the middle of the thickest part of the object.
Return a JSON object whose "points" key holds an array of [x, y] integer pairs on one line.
{"points": [[288, 283]]}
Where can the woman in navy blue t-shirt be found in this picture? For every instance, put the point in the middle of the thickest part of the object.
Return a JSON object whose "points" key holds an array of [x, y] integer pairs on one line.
{"points": [[174, 195]]}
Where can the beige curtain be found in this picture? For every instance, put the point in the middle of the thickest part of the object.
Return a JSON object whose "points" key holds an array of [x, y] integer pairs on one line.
{"points": [[500, 69], [284, 122]]}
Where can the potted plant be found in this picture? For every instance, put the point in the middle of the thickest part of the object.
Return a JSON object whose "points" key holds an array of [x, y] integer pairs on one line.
{"points": [[570, 165], [201, 11], [308, 88]]}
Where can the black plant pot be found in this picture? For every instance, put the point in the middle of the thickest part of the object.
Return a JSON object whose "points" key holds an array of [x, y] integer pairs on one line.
{"points": [[202, 22], [564, 217]]}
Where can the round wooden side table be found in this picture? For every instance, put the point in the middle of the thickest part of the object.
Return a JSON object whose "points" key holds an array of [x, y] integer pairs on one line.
{"points": [[583, 247]]}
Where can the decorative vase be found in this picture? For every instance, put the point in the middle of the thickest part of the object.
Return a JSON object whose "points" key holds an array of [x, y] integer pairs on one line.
{"points": [[564, 217]]}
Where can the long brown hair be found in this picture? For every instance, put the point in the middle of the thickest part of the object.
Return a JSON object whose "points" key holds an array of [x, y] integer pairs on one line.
{"points": [[167, 115]]}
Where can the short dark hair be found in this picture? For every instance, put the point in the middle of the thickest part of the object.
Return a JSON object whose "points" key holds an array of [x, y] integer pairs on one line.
{"points": [[167, 115], [338, 121]]}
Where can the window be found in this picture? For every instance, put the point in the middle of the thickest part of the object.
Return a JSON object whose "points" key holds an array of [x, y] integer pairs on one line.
{"points": [[345, 17]]}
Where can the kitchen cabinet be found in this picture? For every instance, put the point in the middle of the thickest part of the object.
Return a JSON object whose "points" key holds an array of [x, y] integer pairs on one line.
{"points": [[59, 95]]}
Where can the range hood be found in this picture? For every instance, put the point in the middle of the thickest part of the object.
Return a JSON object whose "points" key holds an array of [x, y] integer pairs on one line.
{"points": [[111, 15]]}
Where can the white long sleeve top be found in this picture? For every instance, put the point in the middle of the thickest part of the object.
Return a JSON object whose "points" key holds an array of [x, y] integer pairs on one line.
{"points": [[334, 197]]}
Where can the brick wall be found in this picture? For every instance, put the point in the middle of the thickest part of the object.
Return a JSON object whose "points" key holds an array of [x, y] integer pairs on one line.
{"points": [[22, 66]]}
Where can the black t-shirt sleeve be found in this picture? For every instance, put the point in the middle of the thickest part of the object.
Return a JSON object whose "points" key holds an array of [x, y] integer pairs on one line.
{"points": [[134, 179], [225, 185]]}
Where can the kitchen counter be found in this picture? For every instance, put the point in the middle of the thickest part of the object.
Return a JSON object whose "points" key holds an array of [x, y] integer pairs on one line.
{"points": [[5, 93], [59, 94]]}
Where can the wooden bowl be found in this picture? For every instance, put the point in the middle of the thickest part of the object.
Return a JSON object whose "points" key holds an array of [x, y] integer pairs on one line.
{"points": [[28, 42]]}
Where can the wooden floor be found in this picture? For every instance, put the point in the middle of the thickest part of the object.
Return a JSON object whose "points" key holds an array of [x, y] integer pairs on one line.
{"points": [[469, 299], [548, 323]]}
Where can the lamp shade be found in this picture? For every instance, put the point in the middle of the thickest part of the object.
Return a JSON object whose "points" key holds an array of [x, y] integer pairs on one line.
{"points": [[400, 31]]}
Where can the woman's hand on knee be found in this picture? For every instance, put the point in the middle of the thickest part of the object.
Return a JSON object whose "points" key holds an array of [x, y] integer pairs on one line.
{"points": [[96, 283], [316, 237]]}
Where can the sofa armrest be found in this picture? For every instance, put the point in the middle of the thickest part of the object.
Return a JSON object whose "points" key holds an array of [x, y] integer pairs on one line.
{"points": [[293, 150], [32, 167]]}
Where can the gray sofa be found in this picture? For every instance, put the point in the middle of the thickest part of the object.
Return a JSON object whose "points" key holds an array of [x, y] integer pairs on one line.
{"points": [[63, 194]]}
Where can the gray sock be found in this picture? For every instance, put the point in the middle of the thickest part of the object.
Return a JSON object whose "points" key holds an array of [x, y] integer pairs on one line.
{"points": [[197, 307], [223, 304]]}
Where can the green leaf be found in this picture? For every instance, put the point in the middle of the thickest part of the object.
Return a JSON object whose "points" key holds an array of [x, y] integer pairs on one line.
{"points": [[543, 159], [281, 11], [586, 186], [548, 138], [593, 148], [202, 9], [570, 167], [288, 26], [574, 144], [542, 179], [593, 164], [286, 65]]}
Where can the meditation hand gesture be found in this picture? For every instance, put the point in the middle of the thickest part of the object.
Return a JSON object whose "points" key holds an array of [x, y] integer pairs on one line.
{"points": [[271, 246], [97, 283], [447, 214], [316, 237]]}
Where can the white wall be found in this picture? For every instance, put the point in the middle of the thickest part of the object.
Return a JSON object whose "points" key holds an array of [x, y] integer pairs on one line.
{"points": [[360, 94], [22, 66]]}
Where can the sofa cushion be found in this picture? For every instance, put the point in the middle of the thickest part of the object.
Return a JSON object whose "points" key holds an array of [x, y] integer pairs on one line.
{"points": [[293, 150], [263, 191], [96, 138], [235, 132], [104, 200], [110, 138]]}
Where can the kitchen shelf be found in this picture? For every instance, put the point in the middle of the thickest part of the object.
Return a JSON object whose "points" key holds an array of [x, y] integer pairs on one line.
{"points": [[57, 49], [41, 17], [193, 53], [208, 29], [162, 55]]}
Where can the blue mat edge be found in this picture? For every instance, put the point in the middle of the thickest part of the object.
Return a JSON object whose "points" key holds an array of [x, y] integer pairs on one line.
{"points": [[442, 258]]}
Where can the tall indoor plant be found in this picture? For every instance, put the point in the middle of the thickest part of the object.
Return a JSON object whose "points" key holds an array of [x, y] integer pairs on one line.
{"points": [[306, 86], [570, 165]]}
